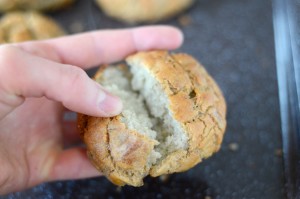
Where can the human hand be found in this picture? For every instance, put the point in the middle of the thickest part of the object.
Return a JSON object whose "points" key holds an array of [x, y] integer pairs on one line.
{"points": [[39, 79]]}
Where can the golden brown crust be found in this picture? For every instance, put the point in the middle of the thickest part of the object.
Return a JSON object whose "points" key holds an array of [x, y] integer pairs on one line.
{"points": [[121, 154], [40, 5], [133, 11], [25, 26], [196, 103]]}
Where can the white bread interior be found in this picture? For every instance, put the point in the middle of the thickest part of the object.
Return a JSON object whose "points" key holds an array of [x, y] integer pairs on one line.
{"points": [[146, 109]]}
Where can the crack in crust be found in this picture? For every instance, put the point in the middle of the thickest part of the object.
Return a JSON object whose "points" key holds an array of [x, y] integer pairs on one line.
{"points": [[218, 99], [205, 140]]}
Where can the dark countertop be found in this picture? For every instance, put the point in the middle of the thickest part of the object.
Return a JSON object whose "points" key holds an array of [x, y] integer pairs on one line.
{"points": [[234, 40]]}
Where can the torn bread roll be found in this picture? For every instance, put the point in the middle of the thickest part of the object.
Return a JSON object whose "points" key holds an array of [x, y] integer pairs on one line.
{"points": [[173, 118]]}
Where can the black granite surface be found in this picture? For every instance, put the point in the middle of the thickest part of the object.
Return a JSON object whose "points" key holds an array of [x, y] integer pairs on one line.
{"points": [[234, 40]]}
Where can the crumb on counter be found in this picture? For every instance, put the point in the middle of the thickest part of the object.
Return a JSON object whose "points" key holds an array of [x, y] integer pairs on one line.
{"points": [[278, 152], [119, 189], [185, 20], [233, 146], [76, 27], [164, 178]]}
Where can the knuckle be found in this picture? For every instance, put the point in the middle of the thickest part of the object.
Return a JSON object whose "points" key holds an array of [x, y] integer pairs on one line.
{"points": [[9, 67], [74, 78], [8, 56], [75, 74]]}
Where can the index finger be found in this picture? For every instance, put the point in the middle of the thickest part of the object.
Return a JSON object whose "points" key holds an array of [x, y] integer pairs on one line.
{"points": [[104, 46]]}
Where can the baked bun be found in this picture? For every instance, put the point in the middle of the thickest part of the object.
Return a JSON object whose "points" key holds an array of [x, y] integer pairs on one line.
{"points": [[173, 118], [25, 26], [40, 5], [133, 11]]}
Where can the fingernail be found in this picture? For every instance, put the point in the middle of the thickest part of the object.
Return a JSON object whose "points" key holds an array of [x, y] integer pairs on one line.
{"points": [[109, 104]]}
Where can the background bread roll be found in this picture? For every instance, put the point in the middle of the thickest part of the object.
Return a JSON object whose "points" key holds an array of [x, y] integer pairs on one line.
{"points": [[133, 11], [25, 26], [173, 118], [41, 5]]}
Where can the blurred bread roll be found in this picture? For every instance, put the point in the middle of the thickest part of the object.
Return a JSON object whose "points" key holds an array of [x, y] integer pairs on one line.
{"points": [[40, 5], [132, 11], [25, 26]]}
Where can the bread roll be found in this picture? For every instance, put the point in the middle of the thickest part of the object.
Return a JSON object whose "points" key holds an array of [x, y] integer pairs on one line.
{"points": [[40, 5], [133, 11], [25, 26], [173, 118]]}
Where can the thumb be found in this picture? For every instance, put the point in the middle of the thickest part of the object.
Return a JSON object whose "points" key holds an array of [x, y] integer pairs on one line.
{"points": [[25, 75]]}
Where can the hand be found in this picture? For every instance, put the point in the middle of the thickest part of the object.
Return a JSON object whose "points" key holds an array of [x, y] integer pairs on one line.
{"points": [[39, 79]]}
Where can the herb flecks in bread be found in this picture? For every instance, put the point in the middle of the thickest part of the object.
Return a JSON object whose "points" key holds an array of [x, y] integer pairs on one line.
{"points": [[173, 117]]}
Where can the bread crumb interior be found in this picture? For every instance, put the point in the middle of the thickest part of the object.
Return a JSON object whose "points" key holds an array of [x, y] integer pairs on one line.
{"points": [[145, 108]]}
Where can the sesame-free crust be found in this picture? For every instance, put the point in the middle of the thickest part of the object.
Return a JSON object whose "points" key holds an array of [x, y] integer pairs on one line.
{"points": [[195, 101]]}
